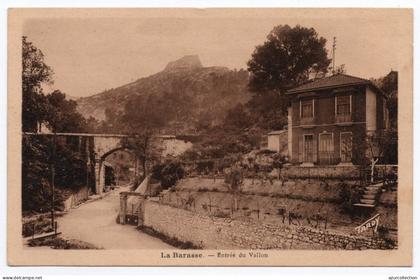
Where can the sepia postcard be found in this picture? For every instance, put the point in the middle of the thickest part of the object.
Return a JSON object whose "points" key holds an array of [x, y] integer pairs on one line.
{"points": [[210, 137]]}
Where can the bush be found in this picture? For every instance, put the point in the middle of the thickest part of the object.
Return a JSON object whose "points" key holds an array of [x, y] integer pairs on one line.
{"points": [[60, 243], [168, 239], [220, 214], [219, 142], [205, 166], [40, 225], [278, 161], [168, 173], [349, 195], [70, 173]]}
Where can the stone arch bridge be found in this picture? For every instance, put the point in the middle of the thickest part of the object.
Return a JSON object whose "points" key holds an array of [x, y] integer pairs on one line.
{"points": [[96, 147]]}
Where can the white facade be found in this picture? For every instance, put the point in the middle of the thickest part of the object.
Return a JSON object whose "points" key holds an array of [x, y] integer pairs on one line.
{"points": [[277, 141], [370, 110], [289, 132]]}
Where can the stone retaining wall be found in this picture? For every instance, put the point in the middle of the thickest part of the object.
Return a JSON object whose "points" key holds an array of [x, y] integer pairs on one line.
{"points": [[211, 232], [76, 198], [351, 172], [324, 172]]}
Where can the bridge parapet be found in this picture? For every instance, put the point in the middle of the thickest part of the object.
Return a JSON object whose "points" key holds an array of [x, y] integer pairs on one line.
{"points": [[102, 145]]}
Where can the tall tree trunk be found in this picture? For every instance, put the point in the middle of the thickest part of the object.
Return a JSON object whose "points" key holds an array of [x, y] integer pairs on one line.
{"points": [[372, 170]]}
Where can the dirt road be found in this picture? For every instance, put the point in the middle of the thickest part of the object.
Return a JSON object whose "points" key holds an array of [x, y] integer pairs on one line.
{"points": [[95, 222]]}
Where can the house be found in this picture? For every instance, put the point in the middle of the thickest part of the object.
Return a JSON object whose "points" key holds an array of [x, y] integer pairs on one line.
{"points": [[277, 141], [328, 118]]}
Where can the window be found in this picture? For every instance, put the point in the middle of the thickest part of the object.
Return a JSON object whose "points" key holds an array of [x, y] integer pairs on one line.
{"points": [[308, 148], [326, 142], [326, 148], [346, 143], [343, 109], [307, 109], [343, 105]]}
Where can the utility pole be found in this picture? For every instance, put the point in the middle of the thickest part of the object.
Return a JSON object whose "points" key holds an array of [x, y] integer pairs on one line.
{"points": [[333, 54]]}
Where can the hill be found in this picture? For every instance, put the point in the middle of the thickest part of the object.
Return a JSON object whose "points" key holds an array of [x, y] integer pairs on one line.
{"points": [[208, 93]]}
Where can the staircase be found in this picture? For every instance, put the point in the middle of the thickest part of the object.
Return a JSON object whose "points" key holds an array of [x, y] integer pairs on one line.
{"points": [[370, 195]]}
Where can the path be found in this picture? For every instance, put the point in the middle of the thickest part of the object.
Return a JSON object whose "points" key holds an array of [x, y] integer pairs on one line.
{"points": [[95, 222]]}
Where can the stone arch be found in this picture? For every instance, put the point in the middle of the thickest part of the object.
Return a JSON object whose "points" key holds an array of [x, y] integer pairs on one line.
{"points": [[100, 182]]}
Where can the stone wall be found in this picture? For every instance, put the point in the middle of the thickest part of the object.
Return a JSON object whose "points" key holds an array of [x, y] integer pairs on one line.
{"points": [[210, 232], [351, 172], [326, 188], [76, 198], [324, 172]]}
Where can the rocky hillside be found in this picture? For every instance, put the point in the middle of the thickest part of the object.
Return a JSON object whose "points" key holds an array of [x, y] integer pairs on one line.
{"points": [[209, 92]]}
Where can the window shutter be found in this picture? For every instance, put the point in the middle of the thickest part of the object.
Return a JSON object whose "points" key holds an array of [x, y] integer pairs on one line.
{"points": [[313, 108], [315, 150], [300, 151]]}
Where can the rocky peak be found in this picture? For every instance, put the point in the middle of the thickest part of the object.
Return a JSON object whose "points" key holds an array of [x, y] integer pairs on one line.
{"points": [[186, 62]]}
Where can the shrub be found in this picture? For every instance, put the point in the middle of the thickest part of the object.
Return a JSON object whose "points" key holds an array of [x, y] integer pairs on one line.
{"points": [[383, 232], [70, 173], [220, 214], [60, 243], [168, 173], [39, 226], [349, 195], [204, 166], [168, 239]]}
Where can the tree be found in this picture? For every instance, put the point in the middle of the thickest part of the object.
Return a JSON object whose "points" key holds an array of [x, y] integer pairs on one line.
{"points": [[376, 147], [168, 173], [62, 115], [340, 69], [287, 59], [36, 190], [237, 117], [389, 85], [234, 180], [143, 117], [92, 125], [389, 138], [35, 73], [204, 120], [70, 172], [268, 111], [289, 56]]}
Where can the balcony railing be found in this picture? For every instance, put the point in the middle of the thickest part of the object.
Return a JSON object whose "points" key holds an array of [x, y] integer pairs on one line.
{"points": [[306, 121], [343, 118], [327, 158], [308, 157]]}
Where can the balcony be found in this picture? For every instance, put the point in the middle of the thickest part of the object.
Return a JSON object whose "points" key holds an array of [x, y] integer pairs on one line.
{"points": [[327, 158], [343, 119], [307, 122]]}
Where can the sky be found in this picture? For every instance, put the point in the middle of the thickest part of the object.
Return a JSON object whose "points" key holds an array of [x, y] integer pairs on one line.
{"points": [[91, 54]]}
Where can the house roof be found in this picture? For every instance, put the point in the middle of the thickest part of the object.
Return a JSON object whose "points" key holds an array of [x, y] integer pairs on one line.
{"points": [[333, 81]]}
